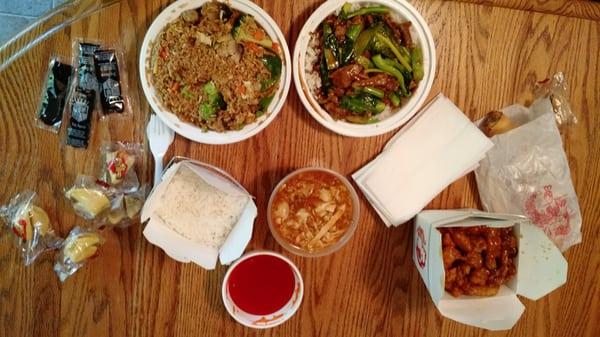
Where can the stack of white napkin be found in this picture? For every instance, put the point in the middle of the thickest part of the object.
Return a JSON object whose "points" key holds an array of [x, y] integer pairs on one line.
{"points": [[436, 148]]}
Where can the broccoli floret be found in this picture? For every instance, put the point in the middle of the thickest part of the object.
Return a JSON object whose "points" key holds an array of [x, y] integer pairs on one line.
{"points": [[245, 30], [214, 101]]}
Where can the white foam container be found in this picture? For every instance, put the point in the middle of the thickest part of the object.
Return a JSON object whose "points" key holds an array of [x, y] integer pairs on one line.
{"points": [[421, 35], [189, 130], [541, 268]]}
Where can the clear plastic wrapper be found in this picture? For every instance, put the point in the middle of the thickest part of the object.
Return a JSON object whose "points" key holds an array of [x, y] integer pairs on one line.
{"points": [[557, 91], [527, 172], [90, 197], [54, 94], [127, 209], [30, 224], [79, 246], [117, 167]]}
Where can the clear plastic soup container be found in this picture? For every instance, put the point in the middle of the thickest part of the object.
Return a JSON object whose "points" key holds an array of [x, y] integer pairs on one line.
{"points": [[329, 249]]}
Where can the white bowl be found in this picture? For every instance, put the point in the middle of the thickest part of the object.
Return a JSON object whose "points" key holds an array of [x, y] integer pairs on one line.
{"points": [[264, 321], [189, 130], [421, 35]]}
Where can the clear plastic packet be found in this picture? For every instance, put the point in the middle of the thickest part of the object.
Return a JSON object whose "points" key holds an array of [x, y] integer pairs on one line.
{"points": [[54, 94], [127, 209], [79, 246], [90, 197], [117, 165], [31, 226], [83, 97], [527, 172], [557, 91]]}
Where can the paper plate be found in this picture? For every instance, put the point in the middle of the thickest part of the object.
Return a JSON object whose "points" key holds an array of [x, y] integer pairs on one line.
{"points": [[191, 131]]}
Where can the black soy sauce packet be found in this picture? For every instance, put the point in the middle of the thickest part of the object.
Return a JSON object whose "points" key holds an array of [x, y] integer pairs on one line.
{"points": [[82, 105], [54, 96], [83, 97], [86, 73], [107, 72]]}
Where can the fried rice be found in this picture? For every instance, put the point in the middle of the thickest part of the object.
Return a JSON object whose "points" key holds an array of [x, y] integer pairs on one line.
{"points": [[187, 55]]}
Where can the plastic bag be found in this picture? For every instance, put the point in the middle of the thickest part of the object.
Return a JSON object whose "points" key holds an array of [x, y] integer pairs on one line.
{"points": [[527, 172], [79, 246], [91, 198], [117, 167], [128, 207], [30, 224], [557, 91]]}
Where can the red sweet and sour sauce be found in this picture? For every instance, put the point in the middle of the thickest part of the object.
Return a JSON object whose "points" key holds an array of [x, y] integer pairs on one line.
{"points": [[262, 284]]}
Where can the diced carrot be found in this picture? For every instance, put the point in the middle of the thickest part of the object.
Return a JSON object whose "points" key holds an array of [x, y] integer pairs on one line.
{"points": [[175, 86], [258, 34], [164, 53], [276, 47], [252, 47], [241, 89]]}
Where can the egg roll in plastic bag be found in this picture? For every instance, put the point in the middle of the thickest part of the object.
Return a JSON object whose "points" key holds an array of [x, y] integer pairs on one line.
{"points": [[527, 172], [79, 246], [30, 224]]}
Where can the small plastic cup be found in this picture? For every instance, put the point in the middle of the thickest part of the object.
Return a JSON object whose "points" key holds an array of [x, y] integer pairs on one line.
{"points": [[272, 319], [329, 249]]}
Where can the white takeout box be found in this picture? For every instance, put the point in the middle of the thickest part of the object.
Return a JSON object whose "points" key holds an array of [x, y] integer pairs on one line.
{"points": [[541, 268], [184, 250]]}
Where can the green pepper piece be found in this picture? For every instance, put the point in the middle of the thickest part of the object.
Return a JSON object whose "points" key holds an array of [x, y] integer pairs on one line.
{"points": [[403, 60], [325, 80], [394, 99], [388, 67], [363, 40], [364, 11], [362, 104], [264, 104], [372, 91], [273, 64], [330, 47], [347, 52], [364, 62], [417, 63]]}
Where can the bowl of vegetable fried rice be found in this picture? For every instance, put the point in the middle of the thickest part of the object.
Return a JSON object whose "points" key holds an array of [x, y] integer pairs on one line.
{"points": [[216, 72], [364, 68]]}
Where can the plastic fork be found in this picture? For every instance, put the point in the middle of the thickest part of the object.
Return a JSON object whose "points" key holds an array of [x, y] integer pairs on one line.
{"points": [[160, 138]]}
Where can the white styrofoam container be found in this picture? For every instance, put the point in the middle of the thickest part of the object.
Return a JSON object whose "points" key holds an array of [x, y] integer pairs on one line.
{"points": [[422, 36], [541, 268], [184, 250]]}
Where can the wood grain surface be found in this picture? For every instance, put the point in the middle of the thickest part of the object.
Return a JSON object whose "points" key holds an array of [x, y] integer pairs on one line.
{"points": [[489, 55]]}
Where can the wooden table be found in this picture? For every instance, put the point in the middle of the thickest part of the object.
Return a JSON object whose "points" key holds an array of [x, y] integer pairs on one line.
{"points": [[489, 55]]}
